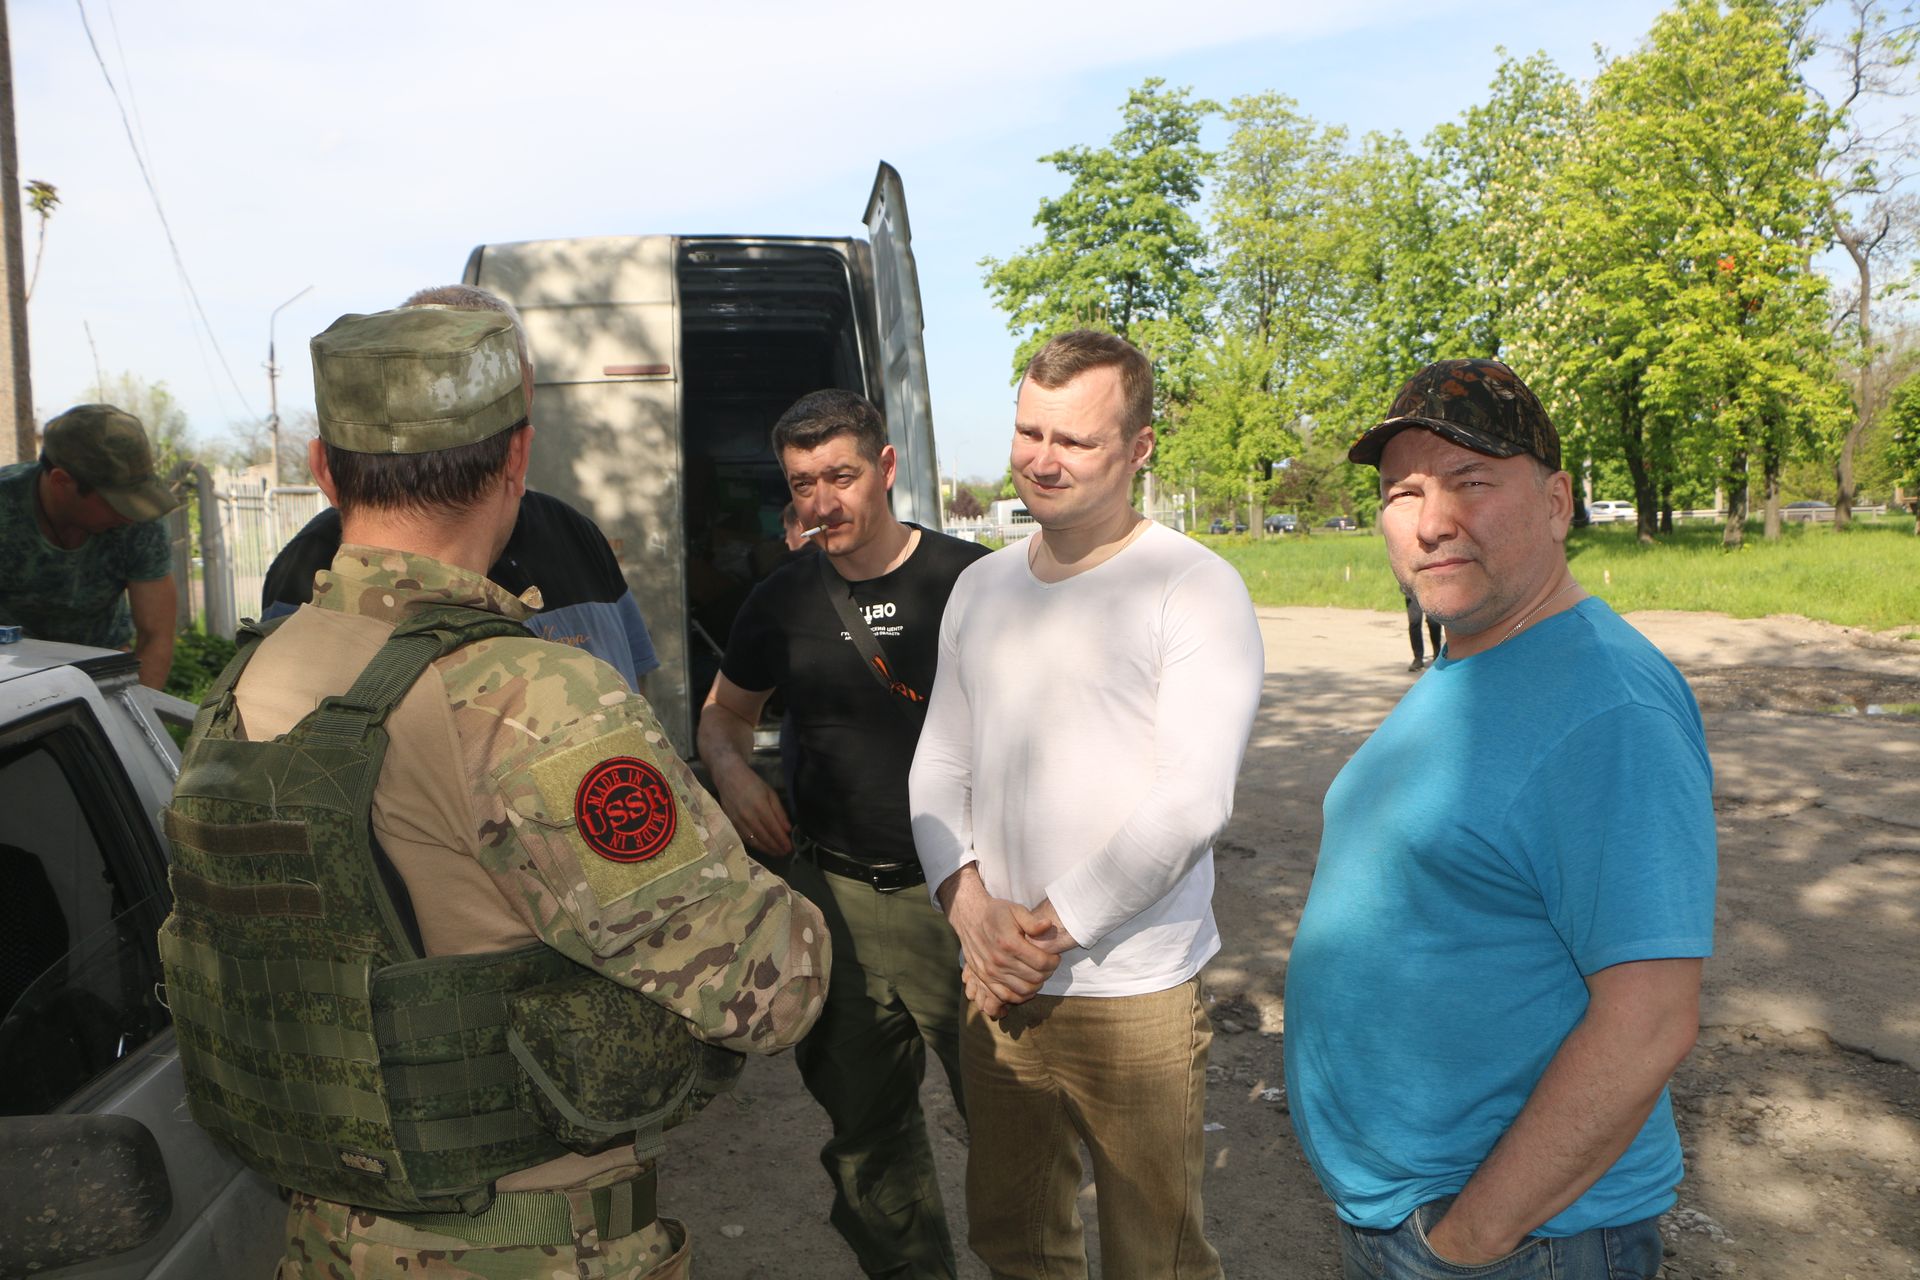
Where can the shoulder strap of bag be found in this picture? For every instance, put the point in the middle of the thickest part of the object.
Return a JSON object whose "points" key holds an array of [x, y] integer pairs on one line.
{"points": [[840, 595]]}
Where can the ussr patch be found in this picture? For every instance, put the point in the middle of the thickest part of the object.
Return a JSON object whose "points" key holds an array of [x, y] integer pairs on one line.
{"points": [[613, 802], [625, 810]]}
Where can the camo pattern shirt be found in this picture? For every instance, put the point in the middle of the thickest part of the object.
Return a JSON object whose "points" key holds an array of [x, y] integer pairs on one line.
{"points": [[595, 833], [78, 595]]}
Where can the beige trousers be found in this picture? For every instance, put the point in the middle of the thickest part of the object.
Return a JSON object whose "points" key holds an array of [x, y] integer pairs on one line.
{"points": [[1127, 1076]]}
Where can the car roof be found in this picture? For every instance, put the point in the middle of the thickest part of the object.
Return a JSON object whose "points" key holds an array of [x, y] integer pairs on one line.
{"points": [[25, 657]]}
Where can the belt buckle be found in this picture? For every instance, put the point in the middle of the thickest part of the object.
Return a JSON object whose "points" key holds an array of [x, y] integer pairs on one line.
{"points": [[875, 875]]}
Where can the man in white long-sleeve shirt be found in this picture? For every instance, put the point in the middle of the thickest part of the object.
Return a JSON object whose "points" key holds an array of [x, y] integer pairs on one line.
{"points": [[1095, 691]]}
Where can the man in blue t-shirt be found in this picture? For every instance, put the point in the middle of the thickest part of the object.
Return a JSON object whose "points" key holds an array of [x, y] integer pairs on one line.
{"points": [[1498, 967]]}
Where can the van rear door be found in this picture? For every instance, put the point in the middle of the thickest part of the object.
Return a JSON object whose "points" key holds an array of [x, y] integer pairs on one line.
{"points": [[603, 319], [903, 356]]}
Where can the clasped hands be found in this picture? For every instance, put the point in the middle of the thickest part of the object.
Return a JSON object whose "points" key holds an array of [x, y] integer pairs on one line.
{"points": [[1007, 951]]}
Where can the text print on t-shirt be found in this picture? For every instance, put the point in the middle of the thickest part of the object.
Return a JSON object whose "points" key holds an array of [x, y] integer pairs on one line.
{"points": [[877, 616]]}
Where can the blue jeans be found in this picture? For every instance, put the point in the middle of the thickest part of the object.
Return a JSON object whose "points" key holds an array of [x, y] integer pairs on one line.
{"points": [[1631, 1252]]}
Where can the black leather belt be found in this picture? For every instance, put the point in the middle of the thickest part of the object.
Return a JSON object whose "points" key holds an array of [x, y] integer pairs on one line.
{"points": [[885, 877]]}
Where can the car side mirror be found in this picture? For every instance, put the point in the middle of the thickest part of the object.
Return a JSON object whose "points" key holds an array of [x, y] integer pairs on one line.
{"points": [[77, 1187]]}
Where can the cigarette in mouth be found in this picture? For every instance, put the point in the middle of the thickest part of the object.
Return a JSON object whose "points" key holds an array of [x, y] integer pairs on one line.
{"points": [[808, 533]]}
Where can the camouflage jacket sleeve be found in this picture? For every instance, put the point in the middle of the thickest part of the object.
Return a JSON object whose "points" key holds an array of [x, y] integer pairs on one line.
{"points": [[611, 851]]}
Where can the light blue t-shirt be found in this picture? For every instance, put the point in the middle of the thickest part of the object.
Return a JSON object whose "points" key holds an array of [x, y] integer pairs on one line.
{"points": [[1526, 816]]}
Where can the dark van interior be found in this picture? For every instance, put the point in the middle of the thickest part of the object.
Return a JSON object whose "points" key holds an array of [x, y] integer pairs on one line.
{"points": [[762, 322]]}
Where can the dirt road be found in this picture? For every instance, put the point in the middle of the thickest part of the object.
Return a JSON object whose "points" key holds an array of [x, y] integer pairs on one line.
{"points": [[1799, 1109]]}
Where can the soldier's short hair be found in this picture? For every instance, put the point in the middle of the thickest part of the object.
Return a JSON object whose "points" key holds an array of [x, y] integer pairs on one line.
{"points": [[1068, 355], [819, 416], [453, 478]]}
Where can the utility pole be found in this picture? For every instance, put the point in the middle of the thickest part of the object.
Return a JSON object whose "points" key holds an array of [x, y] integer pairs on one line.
{"points": [[273, 384], [16, 383]]}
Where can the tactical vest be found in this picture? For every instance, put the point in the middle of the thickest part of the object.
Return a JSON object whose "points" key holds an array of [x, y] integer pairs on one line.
{"points": [[316, 1039]]}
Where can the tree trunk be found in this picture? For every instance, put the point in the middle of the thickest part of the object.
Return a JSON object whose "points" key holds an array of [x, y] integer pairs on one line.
{"points": [[1736, 486], [1645, 498], [1770, 470], [1666, 508], [1863, 388]]}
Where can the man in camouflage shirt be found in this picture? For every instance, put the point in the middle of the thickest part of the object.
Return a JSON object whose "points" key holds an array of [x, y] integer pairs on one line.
{"points": [[83, 555], [491, 803]]}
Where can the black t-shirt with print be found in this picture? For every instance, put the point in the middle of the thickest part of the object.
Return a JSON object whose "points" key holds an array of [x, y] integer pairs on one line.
{"points": [[850, 792]]}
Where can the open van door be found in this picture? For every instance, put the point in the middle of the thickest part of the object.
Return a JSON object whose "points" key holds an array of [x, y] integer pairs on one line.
{"points": [[903, 356]]}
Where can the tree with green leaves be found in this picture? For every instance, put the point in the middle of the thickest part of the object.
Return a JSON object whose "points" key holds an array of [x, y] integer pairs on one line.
{"points": [[1235, 430], [1121, 249], [1678, 308], [1394, 224], [1497, 166], [1870, 216], [1903, 443]]}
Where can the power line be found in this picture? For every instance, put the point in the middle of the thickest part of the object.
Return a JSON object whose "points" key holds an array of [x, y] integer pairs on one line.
{"points": [[139, 160], [126, 77]]}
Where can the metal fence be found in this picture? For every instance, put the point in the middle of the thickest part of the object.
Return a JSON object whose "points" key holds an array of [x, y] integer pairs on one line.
{"points": [[224, 541]]}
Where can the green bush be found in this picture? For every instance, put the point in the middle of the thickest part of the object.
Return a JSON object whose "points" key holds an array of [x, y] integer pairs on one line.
{"points": [[197, 659]]}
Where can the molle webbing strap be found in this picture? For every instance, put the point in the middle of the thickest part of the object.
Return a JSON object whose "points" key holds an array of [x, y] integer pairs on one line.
{"points": [[222, 840], [441, 1017], [464, 1133], [278, 973], [246, 899], [546, 1217]]}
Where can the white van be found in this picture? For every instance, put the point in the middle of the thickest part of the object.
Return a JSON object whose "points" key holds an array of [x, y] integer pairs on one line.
{"points": [[661, 363], [1605, 512]]}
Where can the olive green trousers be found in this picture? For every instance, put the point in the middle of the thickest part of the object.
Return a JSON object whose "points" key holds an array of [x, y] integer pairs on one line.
{"points": [[894, 993]]}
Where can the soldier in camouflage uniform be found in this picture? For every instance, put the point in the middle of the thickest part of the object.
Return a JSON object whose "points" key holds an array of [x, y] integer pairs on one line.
{"points": [[500, 802]]}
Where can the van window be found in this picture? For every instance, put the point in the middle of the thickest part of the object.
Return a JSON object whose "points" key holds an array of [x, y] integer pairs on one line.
{"points": [[80, 905]]}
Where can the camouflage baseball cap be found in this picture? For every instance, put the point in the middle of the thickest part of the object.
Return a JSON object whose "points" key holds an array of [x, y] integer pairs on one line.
{"points": [[106, 449], [1478, 404], [417, 379]]}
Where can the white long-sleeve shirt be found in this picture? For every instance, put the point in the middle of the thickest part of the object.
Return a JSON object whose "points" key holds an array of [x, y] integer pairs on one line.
{"points": [[1081, 745]]}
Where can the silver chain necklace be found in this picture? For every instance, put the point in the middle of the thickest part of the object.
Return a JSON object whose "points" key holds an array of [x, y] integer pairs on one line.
{"points": [[1537, 608]]}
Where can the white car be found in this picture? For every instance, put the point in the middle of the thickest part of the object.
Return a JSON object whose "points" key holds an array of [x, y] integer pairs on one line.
{"points": [[1607, 512], [103, 1175]]}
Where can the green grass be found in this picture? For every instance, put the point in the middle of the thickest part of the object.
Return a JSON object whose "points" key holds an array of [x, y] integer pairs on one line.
{"points": [[1868, 576]]}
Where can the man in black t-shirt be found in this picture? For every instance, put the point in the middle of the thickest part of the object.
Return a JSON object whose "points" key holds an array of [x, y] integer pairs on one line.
{"points": [[895, 988]]}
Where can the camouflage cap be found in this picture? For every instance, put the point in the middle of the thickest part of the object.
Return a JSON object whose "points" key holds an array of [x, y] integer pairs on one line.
{"points": [[1478, 404], [417, 379], [106, 449]]}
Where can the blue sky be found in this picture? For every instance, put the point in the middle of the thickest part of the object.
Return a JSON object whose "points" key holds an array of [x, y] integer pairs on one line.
{"points": [[364, 148]]}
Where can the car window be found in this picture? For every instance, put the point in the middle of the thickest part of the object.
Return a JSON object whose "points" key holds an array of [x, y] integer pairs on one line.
{"points": [[80, 901]]}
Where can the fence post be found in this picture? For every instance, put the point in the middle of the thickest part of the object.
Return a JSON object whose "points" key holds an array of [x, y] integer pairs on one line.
{"points": [[216, 569]]}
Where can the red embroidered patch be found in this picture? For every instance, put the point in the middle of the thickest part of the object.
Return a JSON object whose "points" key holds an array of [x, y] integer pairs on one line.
{"points": [[625, 810]]}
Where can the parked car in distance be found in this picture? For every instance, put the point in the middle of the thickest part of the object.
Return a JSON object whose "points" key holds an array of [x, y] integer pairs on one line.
{"points": [[1339, 522], [1219, 525], [1609, 512], [1282, 522], [97, 1152], [1807, 509]]}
